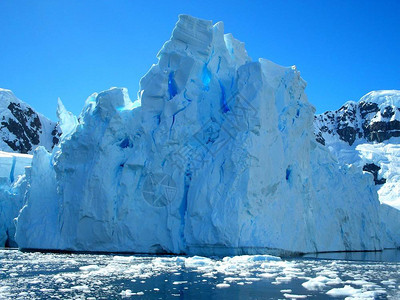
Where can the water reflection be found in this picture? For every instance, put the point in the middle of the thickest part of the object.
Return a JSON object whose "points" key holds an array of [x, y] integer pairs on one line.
{"points": [[387, 255]]}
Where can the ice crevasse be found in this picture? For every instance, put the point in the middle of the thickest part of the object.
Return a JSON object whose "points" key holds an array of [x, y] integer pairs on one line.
{"points": [[216, 157]]}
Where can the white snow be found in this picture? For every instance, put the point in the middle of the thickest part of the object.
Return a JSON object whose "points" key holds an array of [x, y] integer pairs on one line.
{"points": [[383, 98], [385, 154]]}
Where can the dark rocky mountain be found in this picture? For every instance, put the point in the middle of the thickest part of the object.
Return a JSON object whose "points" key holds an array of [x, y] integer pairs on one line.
{"points": [[375, 118], [365, 133], [21, 128]]}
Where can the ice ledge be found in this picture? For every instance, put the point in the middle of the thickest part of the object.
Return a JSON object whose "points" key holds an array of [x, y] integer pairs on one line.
{"points": [[191, 34]]}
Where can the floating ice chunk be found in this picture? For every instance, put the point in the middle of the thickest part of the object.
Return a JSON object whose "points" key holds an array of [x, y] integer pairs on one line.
{"points": [[89, 268], [367, 295], [292, 296], [46, 290], [359, 282], [179, 282], [267, 275], [124, 259], [82, 288], [283, 279], [315, 284], [389, 282], [127, 293], [345, 291], [4, 288], [232, 279], [250, 258], [222, 285], [320, 282], [198, 261]]}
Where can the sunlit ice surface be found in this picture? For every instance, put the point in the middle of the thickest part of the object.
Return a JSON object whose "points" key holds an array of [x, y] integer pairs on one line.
{"points": [[85, 276]]}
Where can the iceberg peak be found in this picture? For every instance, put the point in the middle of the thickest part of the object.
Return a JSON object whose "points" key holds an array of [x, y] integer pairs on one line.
{"points": [[67, 120]]}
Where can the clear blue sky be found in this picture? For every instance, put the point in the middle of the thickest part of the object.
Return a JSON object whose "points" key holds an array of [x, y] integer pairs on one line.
{"points": [[70, 48]]}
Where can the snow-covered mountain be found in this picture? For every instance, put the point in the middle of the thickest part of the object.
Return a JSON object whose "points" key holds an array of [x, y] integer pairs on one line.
{"points": [[375, 118], [216, 156], [21, 128], [367, 133], [12, 190]]}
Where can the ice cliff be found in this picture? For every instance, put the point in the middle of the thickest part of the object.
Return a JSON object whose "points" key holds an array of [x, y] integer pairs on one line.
{"points": [[12, 190], [216, 156], [22, 129]]}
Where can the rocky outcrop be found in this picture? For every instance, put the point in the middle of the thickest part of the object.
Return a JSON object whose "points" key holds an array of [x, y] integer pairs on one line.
{"points": [[365, 134], [375, 118], [21, 128], [374, 169]]}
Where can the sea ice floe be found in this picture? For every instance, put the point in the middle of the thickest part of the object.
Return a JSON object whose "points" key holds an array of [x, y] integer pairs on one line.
{"points": [[138, 272], [179, 282], [345, 291], [223, 285], [320, 283], [292, 296], [89, 268], [388, 282], [267, 275]]}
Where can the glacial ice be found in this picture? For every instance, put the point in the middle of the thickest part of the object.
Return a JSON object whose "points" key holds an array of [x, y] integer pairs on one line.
{"points": [[67, 121], [216, 157], [12, 188]]}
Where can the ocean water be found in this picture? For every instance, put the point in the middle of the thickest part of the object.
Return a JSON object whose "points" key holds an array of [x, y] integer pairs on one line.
{"points": [[35, 275]]}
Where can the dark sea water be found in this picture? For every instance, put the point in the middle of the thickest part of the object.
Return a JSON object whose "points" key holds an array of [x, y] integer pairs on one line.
{"points": [[28, 275]]}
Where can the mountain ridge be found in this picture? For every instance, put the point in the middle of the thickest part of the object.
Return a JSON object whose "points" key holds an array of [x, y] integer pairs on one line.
{"points": [[366, 133], [22, 129]]}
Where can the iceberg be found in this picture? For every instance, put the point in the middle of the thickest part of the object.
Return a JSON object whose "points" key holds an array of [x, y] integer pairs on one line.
{"points": [[217, 156]]}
